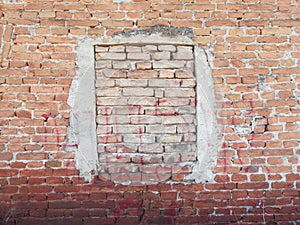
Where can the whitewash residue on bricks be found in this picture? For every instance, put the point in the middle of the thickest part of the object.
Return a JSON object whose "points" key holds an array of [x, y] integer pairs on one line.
{"points": [[146, 114]]}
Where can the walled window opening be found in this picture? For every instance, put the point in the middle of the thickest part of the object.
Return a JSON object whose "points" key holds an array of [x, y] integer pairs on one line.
{"points": [[143, 110]]}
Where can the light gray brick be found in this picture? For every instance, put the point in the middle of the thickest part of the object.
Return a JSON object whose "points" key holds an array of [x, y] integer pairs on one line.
{"points": [[104, 129], [157, 170], [120, 146], [100, 148], [190, 65], [161, 56], [111, 56], [180, 92], [111, 158], [156, 177], [131, 48], [151, 148], [166, 73], [188, 83], [188, 156], [117, 48], [142, 74], [181, 147], [143, 65], [170, 48], [104, 110], [145, 119], [186, 128], [189, 137], [160, 111], [184, 74], [166, 64], [111, 101], [138, 56], [121, 177], [147, 159], [127, 110], [170, 158], [138, 92], [118, 168], [102, 82], [187, 110], [128, 129], [101, 49], [109, 138], [121, 65], [111, 73], [103, 64], [132, 82], [109, 92], [142, 101], [179, 119], [113, 119], [183, 55], [139, 138], [174, 102], [159, 129], [158, 93], [149, 48], [185, 49], [164, 83], [169, 138]]}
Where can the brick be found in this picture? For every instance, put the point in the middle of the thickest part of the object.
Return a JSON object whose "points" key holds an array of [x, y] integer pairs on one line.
{"points": [[113, 119], [142, 101], [109, 92], [104, 83], [144, 138], [170, 48], [138, 56], [111, 56], [125, 129], [147, 74], [138, 92], [161, 56], [121, 65], [164, 83], [182, 92], [163, 64], [131, 82], [156, 129], [143, 65], [110, 101]]}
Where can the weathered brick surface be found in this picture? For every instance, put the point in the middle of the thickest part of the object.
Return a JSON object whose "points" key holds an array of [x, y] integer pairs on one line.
{"points": [[255, 64]]}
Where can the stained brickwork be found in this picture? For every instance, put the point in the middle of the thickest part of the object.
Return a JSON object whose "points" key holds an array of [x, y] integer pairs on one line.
{"points": [[146, 113], [253, 51]]}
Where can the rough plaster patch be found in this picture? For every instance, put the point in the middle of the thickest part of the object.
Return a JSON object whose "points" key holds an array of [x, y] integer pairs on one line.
{"points": [[208, 131], [82, 130]]}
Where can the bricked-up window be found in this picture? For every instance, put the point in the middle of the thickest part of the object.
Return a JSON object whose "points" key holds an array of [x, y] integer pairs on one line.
{"points": [[146, 113]]}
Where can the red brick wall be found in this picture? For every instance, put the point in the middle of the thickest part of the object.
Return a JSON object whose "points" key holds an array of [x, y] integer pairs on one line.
{"points": [[255, 48]]}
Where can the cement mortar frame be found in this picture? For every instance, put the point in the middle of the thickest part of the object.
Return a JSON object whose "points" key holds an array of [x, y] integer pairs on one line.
{"points": [[82, 136]]}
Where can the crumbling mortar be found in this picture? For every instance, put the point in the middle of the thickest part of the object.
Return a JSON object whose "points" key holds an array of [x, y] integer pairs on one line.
{"points": [[163, 30]]}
